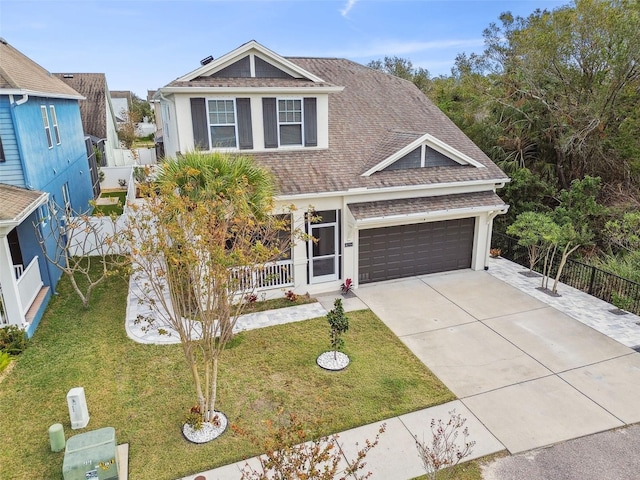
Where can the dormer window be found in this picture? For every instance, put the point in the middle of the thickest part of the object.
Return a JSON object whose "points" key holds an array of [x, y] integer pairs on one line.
{"points": [[222, 123], [290, 121]]}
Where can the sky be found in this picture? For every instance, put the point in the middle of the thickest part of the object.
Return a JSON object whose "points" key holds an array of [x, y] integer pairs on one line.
{"points": [[144, 44]]}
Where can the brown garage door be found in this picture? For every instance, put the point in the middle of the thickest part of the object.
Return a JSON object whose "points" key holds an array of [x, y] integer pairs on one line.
{"points": [[418, 249]]}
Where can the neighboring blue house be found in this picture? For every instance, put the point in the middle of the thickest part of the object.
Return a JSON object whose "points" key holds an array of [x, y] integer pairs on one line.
{"points": [[43, 157]]}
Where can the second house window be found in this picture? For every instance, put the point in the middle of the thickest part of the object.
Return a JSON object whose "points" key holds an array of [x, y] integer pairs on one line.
{"points": [[290, 121], [222, 123]]}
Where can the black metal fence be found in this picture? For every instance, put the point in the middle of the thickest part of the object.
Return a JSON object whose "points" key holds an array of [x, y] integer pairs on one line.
{"points": [[589, 279]]}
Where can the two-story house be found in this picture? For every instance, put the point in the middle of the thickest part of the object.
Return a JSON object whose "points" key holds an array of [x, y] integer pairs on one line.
{"points": [[97, 113], [43, 158], [400, 190]]}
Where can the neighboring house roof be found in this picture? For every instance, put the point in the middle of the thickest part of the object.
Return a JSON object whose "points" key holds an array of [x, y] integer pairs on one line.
{"points": [[17, 203], [93, 110], [20, 75], [122, 94]]}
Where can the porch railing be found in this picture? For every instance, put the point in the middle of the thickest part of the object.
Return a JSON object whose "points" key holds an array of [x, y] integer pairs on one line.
{"points": [[29, 284], [273, 275]]}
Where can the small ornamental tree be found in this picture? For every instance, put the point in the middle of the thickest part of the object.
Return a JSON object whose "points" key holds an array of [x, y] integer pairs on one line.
{"points": [[197, 242], [294, 452], [444, 450], [339, 324], [531, 229]]}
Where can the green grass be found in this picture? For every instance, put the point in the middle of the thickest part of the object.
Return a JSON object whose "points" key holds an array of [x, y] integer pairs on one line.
{"points": [[116, 209], [144, 391]]}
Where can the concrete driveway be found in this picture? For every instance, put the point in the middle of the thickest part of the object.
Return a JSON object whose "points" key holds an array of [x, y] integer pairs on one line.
{"points": [[531, 374]]}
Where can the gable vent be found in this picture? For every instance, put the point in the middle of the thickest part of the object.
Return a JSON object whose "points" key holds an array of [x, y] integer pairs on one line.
{"points": [[204, 61]]}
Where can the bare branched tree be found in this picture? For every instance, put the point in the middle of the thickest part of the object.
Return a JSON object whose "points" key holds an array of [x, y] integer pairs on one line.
{"points": [[76, 242]]}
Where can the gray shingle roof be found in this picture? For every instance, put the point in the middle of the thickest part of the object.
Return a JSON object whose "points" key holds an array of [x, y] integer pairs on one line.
{"points": [[440, 203], [16, 202], [93, 110], [19, 72], [375, 115]]}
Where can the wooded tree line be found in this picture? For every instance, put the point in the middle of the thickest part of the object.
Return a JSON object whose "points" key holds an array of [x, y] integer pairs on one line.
{"points": [[553, 98]]}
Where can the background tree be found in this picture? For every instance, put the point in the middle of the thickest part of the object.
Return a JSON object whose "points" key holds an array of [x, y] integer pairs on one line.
{"points": [[195, 243], [138, 110], [403, 68]]}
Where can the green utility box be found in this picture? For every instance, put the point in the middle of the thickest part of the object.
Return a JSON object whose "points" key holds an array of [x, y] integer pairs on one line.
{"points": [[91, 456]]}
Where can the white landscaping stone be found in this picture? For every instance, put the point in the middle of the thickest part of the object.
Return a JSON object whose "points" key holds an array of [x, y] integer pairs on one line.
{"points": [[208, 431], [333, 360]]}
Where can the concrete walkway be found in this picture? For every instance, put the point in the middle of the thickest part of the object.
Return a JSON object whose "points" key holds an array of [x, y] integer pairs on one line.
{"points": [[530, 370], [533, 375]]}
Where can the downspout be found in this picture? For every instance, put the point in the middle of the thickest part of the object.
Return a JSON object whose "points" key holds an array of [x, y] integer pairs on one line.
{"points": [[25, 97]]}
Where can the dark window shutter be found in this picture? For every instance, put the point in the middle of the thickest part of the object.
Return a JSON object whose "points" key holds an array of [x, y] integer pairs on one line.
{"points": [[310, 123], [270, 117], [245, 133], [199, 121], [2, 157]]}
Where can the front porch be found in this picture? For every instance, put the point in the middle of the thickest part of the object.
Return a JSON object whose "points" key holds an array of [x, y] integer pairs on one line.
{"points": [[23, 294]]}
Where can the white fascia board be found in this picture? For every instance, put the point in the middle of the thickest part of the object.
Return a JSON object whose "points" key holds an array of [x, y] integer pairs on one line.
{"points": [[408, 217], [251, 90], [428, 139], [34, 93], [234, 55], [493, 184]]}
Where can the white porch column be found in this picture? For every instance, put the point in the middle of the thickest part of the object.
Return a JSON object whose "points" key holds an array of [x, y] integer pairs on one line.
{"points": [[9, 285], [299, 255]]}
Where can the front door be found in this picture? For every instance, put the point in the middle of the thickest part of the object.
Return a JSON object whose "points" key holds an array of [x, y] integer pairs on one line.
{"points": [[324, 261]]}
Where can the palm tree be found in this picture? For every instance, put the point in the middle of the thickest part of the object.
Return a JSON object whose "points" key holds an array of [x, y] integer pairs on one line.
{"points": [[247, 187]]}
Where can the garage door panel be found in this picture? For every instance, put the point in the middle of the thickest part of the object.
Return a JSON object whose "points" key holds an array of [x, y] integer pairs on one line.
{"points": [[417, 249]]}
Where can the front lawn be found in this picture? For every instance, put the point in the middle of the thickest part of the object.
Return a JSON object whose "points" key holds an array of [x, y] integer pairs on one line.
{"points": [[145, 390]]}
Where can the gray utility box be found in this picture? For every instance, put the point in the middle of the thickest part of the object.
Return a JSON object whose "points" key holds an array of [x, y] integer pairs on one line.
{"points": [[91, 456]]}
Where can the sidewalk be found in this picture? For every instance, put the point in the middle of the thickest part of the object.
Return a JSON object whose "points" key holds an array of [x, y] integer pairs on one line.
{"points": [[395, 457]]}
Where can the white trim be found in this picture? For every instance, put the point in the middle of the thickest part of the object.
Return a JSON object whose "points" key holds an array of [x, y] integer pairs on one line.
{"points": [[301, 123], [421, 217], [234, 55], [47, 125], [235, 124], [431, 141], [36, 93], [54, 121], [495, 184], [305, 91]]}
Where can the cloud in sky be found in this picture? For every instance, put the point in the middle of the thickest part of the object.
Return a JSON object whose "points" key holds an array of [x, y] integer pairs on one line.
{"points": [[347, 8], [399, 48]]}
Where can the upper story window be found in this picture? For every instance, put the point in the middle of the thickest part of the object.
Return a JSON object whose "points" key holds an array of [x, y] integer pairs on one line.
{"points": [[222, 123], [54, 120], [2, 157], [47, 128], [290, 121]]}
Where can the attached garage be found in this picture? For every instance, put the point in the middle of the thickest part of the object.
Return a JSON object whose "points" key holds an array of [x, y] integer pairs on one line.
{"points": [[416, 249]]}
